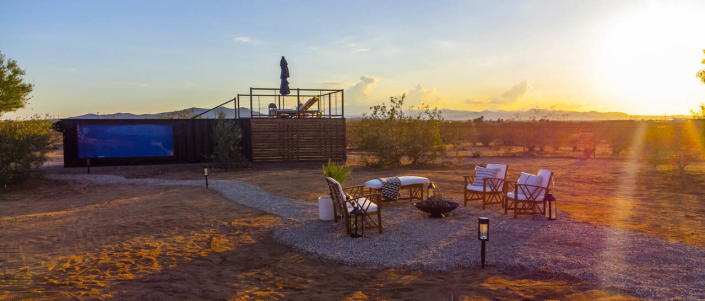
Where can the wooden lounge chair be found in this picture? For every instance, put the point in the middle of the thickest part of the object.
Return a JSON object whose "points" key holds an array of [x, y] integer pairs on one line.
{"points": [[345, 200], [492, 189], [303, 110], [527, 195]]}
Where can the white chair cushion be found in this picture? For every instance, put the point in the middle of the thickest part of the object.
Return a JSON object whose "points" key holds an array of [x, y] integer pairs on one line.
{"points": [[523, 177], [405, 180], [521, 197], [475, 188], [482, 173], [479, 188], [534, 180], [363, 202], [545, 177], [501, 170]]}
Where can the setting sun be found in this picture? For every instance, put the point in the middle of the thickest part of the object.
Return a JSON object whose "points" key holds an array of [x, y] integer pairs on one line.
{"points": [[646, 59]]}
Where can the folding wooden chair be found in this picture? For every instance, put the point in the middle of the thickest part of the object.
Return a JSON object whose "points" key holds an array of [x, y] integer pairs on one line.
{"points": [[492, 189], [355, 198]]}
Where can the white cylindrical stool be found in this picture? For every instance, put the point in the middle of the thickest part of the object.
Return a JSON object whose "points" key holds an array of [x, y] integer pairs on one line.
{"points": [[325, 208]]}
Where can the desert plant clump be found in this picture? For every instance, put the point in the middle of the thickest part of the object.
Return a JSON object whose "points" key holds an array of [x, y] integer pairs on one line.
{"points": [[390, 135], [339, 172], [227, 148], [23, 148], [676, 145]]}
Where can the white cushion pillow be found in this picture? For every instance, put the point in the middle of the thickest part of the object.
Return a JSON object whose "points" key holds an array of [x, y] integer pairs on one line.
{"points": [[482, 173], [529, 179], [524, 178]]}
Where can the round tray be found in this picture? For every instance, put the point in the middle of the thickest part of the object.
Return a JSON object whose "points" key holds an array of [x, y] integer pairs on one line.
{"points": [[437, 209]]}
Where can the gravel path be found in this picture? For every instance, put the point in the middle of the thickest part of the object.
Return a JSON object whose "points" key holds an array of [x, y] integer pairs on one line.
{"points": [[646, 266], [239, 192]]}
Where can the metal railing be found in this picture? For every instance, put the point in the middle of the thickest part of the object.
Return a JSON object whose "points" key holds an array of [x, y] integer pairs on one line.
{"points": [[269, 103]]}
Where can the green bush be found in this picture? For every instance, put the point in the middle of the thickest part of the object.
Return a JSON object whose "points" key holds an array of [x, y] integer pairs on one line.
{"points": [[227, 149], [390, 135], [336, 171], [23, 148]]}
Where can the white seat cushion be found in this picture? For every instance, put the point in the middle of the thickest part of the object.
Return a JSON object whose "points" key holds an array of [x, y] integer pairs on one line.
{"points": [[363, 202], [405, 180], [474, 188], [521, 197], [479, 188]]}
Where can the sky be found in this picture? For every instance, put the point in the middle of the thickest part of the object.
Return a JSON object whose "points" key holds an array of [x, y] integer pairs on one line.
{"points": [[638, 57]]}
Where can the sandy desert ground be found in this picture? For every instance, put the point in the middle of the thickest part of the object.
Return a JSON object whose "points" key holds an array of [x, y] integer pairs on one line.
{"points": [[67, 240]]}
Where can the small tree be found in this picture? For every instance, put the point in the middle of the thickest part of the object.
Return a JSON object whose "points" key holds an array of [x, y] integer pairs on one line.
{"points": [[672, 145], [23, 144], [23, 148], [389, 134], [14, 91], [700, 112], [618, 138], [227, 149]]}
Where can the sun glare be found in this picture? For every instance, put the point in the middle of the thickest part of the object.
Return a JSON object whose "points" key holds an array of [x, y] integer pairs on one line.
{"points": [[646, 59]]}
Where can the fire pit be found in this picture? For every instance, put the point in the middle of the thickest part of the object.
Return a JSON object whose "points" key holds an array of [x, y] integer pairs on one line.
{"points": [[437, 209], [435, 205]]}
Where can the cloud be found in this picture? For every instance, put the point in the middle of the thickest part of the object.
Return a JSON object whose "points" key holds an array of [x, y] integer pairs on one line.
{"points": [[355, 48], [446, 44], [126, 84], [333, 84], [190, 84], [422, 95], [242, 39], [360, 91], [515, 93]]}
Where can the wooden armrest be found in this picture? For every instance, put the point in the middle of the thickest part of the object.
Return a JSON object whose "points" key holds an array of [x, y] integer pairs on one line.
{"points": [[373, 197], [489, 182], [355, 191], [528, 187], [469, 179]]}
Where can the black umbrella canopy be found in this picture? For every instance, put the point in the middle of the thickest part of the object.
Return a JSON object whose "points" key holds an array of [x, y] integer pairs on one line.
{"points": [[284, 87]]}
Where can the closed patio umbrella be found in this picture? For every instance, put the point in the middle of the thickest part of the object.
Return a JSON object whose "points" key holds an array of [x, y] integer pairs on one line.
{"points": [[284, 87]]}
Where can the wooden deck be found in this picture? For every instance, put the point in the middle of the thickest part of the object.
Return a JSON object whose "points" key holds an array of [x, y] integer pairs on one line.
{"points": [[305, 139]]}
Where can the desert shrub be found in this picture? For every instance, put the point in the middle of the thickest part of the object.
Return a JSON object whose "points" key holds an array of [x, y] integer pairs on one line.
{"points": [[227, 148], [618, 138], [675, 145], [23, 148], [336, 171], [699, 113], [485, 136], [390, 134], [528, 136]]}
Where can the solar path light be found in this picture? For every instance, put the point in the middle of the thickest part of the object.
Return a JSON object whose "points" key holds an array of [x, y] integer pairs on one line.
{"points": [[483, 234], [205, 175]]}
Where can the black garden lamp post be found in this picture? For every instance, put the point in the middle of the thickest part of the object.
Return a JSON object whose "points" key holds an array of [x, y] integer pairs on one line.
{"points": [[358, 223], [550, 208], [483, 234], [205, 175], [88, 165]]}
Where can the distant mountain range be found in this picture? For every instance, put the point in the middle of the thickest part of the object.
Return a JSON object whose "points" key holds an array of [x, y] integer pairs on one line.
{"points": [[534, 114], [185, 114]]}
